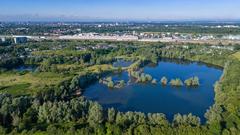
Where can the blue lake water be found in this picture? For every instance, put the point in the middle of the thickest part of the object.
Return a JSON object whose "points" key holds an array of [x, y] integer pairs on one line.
{"points": [[26, 68], [122, 63], [149, 98]]}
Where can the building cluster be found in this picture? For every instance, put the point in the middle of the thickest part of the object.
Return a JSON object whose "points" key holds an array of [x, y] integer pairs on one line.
{"points": [[231, 48], [158, 37], [21, 39], [225, 26], [232, 37], [125, 36], [95, 47], [97, 36]]}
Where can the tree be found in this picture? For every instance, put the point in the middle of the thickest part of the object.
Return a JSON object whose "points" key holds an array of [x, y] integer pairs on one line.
{"points": [[111, 115], [119, 69], [177, 82], [164, 81], [95, 115], [122, 83], [142, 130], [113, 129], [121, 120], [193, 81], [154, 81], [186, 120], [213, 114], [29, 118], [110, 84], [148, 77], [2, 130], [157, 119], [74, 83]]}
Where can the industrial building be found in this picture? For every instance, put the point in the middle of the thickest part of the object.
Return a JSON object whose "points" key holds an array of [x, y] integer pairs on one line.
{"points": [[20, 39]]}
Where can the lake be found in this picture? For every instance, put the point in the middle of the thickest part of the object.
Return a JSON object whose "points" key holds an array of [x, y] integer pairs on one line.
{"points": [[150, 98]]}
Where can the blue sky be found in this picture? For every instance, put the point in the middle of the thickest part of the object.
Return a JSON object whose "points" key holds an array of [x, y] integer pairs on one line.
{"points": [[119, 9]]}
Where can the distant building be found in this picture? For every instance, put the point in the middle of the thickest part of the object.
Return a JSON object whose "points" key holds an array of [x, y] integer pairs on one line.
{"points": [[20, 39], [232, 37], [3, 39]]}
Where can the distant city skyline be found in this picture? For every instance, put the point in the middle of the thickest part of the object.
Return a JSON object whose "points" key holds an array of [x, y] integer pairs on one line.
{"points": [[122, 10]]}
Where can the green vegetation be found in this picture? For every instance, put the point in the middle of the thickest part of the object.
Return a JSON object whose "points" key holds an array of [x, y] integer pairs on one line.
{"points": [[111, 84], [176, 82], [141, 77], [193, 81], [121, 83], [154, 81], [164, 81], [237, 55], [47, 101]]}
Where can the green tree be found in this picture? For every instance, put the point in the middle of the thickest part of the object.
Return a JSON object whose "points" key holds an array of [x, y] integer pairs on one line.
{"points": [[164, 81], [111, 115], [193, 81], [95, 115], [110, 84], [157, 119], [186, 120], [154, 81], [177, 82]]}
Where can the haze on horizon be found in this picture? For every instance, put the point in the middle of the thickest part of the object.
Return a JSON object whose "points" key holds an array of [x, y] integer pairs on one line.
{"points": [[96, 10]]}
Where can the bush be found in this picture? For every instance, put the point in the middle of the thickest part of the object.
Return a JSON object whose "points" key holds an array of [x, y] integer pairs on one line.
{"points": [[110, 84], [122, 83], [164, 81], [177, 82], [193, 81], [154, 81]]}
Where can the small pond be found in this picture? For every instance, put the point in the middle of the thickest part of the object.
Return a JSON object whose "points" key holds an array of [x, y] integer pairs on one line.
{"points": [[26, 68], [122, 63], [150, 98]]}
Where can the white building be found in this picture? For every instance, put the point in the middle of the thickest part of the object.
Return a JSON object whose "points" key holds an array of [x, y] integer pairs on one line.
{"points": [[95, 36], [3, 39], [232, 37]]}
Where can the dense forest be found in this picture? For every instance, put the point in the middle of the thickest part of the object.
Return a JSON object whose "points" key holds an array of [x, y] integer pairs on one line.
{"points": [[53, 104]]}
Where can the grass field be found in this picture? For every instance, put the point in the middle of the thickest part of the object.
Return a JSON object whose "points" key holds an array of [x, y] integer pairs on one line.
{"points": [[97, 68], [237, 55], [17, 84]]}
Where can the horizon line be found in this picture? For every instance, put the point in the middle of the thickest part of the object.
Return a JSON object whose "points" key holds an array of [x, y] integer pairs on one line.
{"points": [[120, 20]]}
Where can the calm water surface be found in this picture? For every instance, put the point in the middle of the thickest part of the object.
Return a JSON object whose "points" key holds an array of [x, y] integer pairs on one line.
{"points": [[26, 68], [161, 99], [122, 63]]}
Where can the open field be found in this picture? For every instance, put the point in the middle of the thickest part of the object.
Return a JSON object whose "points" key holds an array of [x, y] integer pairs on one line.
{"points": [[17, 84], [20, 84], [237, 55]]}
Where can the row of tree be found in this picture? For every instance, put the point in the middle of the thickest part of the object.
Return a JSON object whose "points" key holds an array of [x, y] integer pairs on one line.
{"points": [[22, 113]]}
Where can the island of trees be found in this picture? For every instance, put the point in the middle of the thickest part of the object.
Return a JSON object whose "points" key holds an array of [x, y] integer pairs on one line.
{"points": [[193, 81], [176, 82], [111, 84], [144, 78]]}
